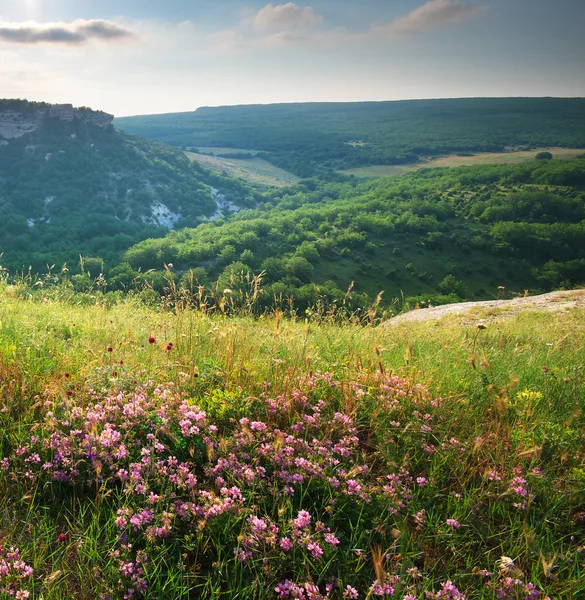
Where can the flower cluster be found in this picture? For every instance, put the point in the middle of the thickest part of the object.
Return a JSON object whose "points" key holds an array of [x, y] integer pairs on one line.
{"points": [[274, 493], [15, 575]]}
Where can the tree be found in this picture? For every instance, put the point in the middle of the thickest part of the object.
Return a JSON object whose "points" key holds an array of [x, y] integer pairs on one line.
{"points": [[544, 156]]}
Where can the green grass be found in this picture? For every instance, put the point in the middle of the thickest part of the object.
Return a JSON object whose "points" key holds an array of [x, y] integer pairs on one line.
{"points": [[453, 160], [512, 397], [255, 171]]}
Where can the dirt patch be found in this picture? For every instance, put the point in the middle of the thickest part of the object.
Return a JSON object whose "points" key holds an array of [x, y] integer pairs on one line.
{"points": [[494, 309]]}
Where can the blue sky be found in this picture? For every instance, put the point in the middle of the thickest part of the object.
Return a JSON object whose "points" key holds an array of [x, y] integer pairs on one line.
{"points": [[147, 56]]}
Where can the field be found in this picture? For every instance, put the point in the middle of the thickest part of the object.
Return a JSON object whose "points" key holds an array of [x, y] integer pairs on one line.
{"points": [[217, 151], [146, 453], [453, 160], [255, 171]]}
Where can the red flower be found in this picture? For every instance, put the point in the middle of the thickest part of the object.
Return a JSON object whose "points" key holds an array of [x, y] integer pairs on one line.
{"points": [[169, 346], [110, 349], [152, 340], [62, 537], [67, 375]]}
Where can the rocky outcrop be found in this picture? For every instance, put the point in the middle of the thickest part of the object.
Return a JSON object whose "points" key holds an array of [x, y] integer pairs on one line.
{"points": [[17, 118], [94, 117], [64, 112]]}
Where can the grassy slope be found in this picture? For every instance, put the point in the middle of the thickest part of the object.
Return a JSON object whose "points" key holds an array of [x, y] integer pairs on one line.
{"points": [[50, 348], [252, 170]]}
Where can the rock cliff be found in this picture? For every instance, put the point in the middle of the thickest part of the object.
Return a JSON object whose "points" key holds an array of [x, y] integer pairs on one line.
{"points": [[19, 117]]}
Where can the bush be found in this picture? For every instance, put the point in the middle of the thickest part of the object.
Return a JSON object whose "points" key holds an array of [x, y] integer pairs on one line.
{"points": [[544, 156]]}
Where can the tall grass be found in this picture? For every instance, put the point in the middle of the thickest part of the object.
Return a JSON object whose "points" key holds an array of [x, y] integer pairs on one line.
{"points": [[462, 445]]}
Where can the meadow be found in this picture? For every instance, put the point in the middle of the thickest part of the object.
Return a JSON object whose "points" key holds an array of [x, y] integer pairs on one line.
{"points": [[156, 453], [254, 171], [456, 160]]}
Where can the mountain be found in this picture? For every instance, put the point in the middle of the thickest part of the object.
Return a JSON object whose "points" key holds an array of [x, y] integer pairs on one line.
{"points": [[71, 184], [310, 138]]}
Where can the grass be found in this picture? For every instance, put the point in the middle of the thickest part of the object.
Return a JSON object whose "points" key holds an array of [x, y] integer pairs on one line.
{"points": [[485, 158], [216, 151], [417, 491], [253, 170]]}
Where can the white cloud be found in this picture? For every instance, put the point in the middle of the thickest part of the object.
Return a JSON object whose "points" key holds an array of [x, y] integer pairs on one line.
{"points": [[431, 15], [285, 17]]}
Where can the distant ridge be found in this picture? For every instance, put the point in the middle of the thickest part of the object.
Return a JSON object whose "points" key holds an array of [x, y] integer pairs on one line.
{"points": [[310, 139]]}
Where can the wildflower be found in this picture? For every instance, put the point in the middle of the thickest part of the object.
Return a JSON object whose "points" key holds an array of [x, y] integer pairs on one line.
{"points": [[353, 487], [350, 592], [169, 346], [62, 538], [453, 523], [152, 340], [331, 539], [285, 544], [315, 549], [517, 486], [303, 520], [110, 349]]}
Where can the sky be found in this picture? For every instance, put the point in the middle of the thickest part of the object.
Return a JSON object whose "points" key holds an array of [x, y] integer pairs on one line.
{"points": [[131, 57]]}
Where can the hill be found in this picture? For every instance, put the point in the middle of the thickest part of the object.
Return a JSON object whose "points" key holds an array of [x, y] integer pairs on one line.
{"points": [[71, 184], [436, 235], [306, 139]]}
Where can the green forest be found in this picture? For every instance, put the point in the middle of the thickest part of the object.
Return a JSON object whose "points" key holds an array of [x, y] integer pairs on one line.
{"points": [[438, 234], [311, 138]]}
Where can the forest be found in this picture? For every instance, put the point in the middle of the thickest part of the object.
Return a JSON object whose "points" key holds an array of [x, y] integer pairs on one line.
{"points": [[435, 235], [308, 139]]}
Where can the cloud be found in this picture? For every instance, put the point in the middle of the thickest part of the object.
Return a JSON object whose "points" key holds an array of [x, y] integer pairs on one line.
{"points": [[76, 33], [285, 17], [431, 15], [288, 25]]}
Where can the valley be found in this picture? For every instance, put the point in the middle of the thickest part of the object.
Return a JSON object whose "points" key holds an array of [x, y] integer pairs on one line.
{"points": [[292, 300]]}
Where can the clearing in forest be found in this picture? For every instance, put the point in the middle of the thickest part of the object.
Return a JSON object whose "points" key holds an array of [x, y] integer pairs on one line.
{"points": [[253, 170]]}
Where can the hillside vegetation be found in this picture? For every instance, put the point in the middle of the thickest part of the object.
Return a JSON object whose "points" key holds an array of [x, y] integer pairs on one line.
{"points": [[438, 234], [71, 188], [310, 138], [151, 454]]}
